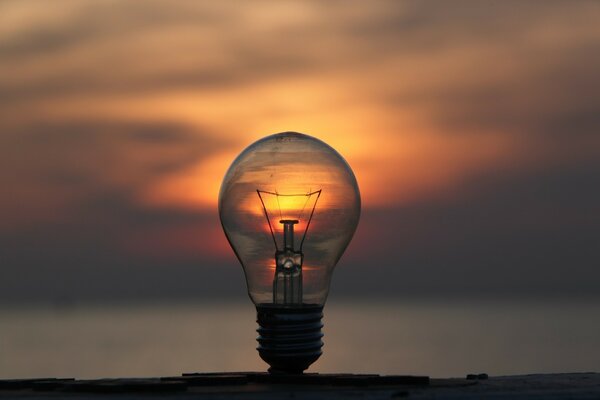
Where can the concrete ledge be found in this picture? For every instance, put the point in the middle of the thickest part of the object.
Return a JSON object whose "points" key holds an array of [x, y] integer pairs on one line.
{"points": [[257, 385]]}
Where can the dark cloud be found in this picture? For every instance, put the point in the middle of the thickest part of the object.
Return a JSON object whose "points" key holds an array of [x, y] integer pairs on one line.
{"points": [[223, 45], [562, 99], [531, 233], [82, 24], [53, 167], [82, 259], [522, 71], [132, 42], [505, 234], [105, 147]]}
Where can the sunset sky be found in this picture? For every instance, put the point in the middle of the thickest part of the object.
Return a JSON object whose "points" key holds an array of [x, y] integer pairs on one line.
{"points": [[473, 129]]}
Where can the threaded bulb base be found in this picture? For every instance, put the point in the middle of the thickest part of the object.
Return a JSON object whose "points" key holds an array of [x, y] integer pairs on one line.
{"points": [[289, 337]]}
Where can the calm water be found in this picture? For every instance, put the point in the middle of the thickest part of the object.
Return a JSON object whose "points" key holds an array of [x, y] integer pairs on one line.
{"points": [[432, 338]]}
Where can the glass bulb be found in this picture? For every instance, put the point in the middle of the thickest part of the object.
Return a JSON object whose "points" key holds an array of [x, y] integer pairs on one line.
{"points": [[289, 205]]}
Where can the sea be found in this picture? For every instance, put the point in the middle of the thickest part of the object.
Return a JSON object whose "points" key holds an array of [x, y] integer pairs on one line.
{"points": [[438, 338]]}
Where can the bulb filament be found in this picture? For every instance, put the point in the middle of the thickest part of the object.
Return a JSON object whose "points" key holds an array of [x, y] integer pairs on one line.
{"points": [[287, 282]]}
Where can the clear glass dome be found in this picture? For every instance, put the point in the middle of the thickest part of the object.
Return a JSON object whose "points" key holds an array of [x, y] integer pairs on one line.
{"points": [[289, 205]]}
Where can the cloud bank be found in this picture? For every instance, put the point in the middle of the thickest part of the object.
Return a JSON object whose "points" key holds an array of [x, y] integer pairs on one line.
{"points": [[472, 128]]}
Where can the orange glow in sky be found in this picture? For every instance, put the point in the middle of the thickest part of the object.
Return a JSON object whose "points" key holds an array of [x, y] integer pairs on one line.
{"points": [[147, 104]]}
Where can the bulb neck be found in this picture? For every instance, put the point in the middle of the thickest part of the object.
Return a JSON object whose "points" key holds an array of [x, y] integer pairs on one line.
{"points": [[289, 337]]}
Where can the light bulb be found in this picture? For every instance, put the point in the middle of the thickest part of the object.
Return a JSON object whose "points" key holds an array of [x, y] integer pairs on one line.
{"points": [[289, 205]]}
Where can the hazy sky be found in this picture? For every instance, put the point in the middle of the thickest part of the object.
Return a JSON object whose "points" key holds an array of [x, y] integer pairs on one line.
{"points": [[473, 129]]}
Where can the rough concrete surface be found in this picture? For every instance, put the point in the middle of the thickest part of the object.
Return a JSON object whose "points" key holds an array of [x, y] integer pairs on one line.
{"points": [[249, 385]]}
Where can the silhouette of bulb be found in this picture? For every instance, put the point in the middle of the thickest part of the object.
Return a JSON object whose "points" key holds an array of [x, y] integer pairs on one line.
{"points": [[289, 205]]}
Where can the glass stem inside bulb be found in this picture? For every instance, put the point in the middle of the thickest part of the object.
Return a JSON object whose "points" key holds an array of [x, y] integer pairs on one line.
{"points": [[287, 283]]}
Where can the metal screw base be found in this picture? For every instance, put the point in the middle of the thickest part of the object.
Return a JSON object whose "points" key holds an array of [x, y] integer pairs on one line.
{"points": [[289, 337]]}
